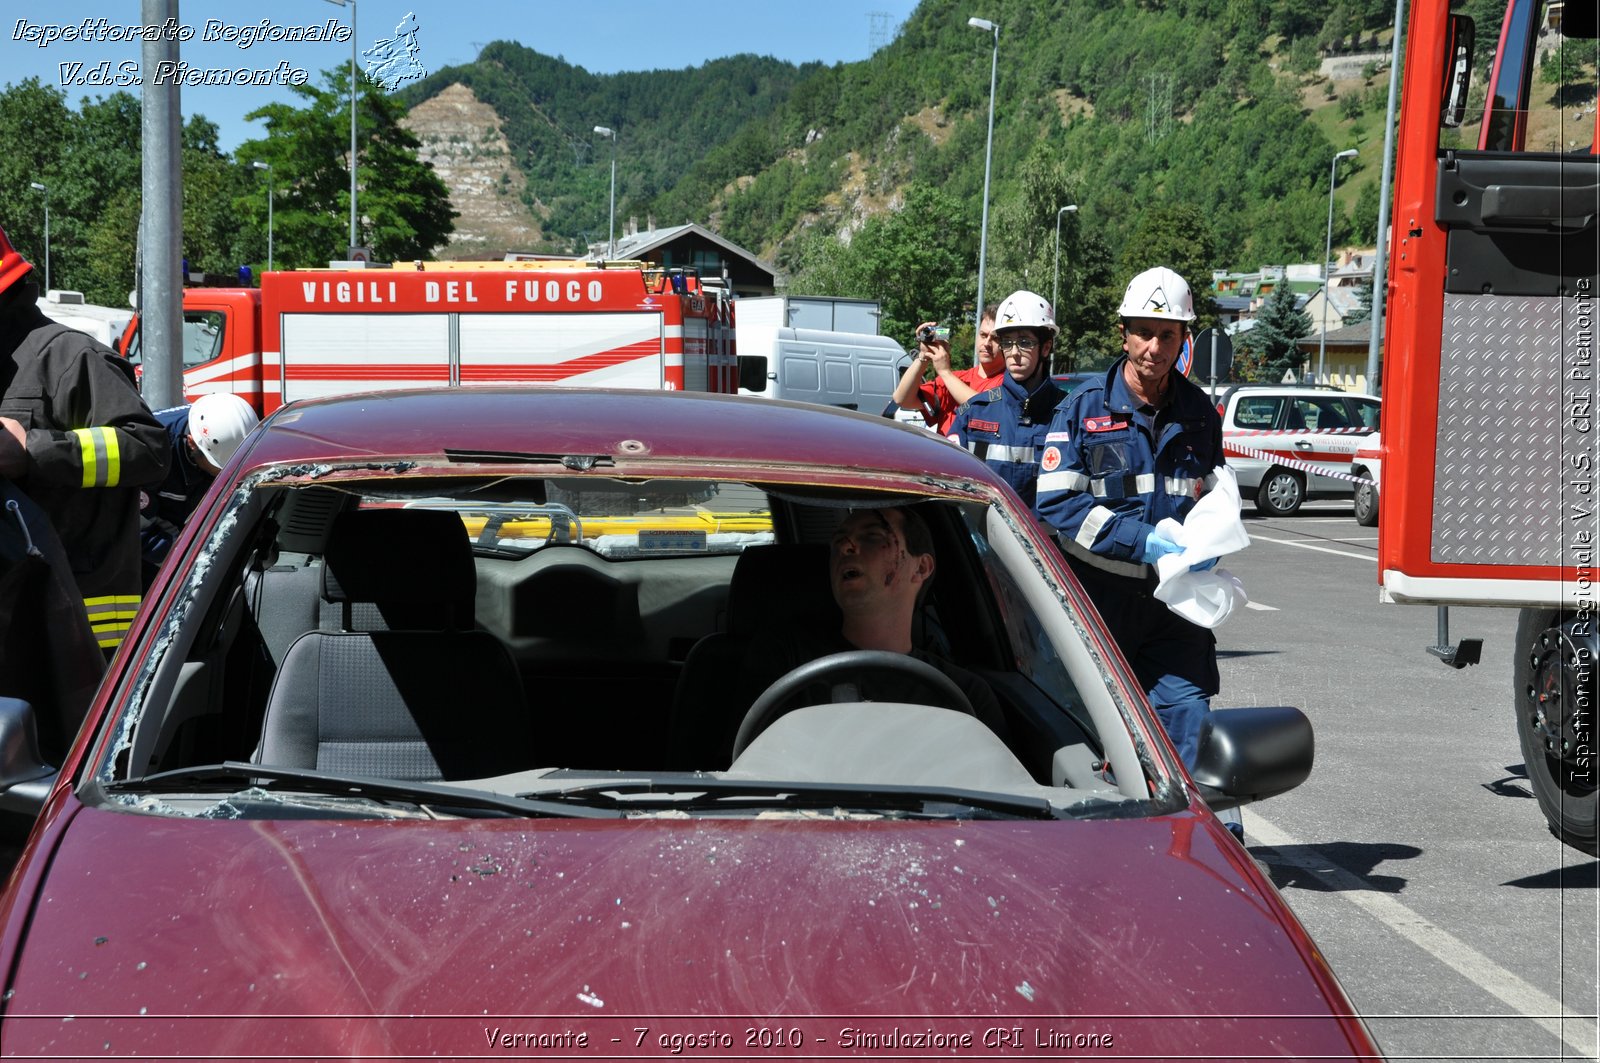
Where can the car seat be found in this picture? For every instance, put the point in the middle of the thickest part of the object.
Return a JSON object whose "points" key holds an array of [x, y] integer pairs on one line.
{"points": [[429, 699], [772, 587]]}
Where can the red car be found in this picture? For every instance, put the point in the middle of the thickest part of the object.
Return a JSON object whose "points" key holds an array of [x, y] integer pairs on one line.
{"points": [[430, 741]]}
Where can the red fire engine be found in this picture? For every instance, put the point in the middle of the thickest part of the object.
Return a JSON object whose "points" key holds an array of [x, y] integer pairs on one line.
{"points": [[306, 333], [1489, 442]]}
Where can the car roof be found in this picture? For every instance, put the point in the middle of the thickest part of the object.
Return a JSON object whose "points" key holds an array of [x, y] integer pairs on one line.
{"points": [[547, 422], [1294, 389]]}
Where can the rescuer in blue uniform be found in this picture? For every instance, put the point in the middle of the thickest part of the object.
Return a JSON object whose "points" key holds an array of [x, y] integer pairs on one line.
{"points": [[203, 437], [1006, 426], [1124, 453]]}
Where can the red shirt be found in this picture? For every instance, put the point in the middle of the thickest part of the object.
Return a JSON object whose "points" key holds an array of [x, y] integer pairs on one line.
{"points": [[936, 397]]}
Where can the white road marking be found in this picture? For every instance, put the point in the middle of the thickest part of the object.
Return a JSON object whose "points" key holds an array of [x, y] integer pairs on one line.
{"points": [[1263, 608], [1310, 546], [1527, 999]]}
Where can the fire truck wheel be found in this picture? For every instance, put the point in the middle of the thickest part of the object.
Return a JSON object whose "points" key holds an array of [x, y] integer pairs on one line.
{"points": [[1366, 505], [1554, 684], [1281, 492]]}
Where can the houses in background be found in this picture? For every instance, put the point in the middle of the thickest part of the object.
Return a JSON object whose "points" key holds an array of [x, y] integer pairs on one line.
{"points": [[1330, 307]]}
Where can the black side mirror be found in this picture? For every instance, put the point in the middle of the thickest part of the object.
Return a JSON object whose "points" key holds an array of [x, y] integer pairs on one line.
{"points": [[25, 779], [753, 372], [1251, 754], [1457, 70]]}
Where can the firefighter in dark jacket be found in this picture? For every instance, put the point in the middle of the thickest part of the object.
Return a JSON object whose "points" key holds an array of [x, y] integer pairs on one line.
{"points": [[76, 437]]}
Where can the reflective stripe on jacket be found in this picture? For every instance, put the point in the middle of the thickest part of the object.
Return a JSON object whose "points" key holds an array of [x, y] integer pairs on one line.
{"points": [[1006, 426]]}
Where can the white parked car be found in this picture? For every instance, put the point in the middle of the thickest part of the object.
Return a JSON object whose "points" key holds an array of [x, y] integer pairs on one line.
{"points": [[1291, 443], [1369, 465]]}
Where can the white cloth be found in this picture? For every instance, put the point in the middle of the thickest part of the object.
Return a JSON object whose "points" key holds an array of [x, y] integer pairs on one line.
{"points": [[1212, 529]]}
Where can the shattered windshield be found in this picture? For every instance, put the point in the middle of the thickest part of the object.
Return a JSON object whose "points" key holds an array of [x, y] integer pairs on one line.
{"points": [[401, 642]]}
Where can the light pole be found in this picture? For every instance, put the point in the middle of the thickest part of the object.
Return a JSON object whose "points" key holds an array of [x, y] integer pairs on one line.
{"points": [[267, 166], [611, 228], [352, 4], [988, 153], [37, 187], [1055, 288], [1327, 253]]}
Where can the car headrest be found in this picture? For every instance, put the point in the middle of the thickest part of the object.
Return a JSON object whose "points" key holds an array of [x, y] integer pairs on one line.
{"points": [[413, 560], [778, 583]]}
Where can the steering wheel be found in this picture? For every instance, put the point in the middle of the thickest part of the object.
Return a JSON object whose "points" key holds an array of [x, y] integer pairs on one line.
{"points": [[834, 668]]}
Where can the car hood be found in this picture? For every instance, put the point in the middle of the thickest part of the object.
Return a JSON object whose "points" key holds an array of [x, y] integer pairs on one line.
{"points": [[166, 936]]}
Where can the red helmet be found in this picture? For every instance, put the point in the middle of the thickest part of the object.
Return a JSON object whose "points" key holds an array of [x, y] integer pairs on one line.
{"points": [[13, 267]]}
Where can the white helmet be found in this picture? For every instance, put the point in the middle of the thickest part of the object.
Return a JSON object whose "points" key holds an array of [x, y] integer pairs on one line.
{"points": [[1025, 310], [1159, 293], [218, 423]]}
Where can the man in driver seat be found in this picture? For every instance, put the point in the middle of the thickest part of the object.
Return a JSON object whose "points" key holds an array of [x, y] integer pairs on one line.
{"points": [[880, 565]]}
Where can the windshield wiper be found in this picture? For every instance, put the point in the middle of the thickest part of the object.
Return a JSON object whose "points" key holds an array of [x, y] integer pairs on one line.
{"points": [[223, 777], [708, 792]]}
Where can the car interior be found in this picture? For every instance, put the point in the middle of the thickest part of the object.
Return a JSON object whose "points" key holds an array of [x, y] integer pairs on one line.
{"points": [[538, 627]]}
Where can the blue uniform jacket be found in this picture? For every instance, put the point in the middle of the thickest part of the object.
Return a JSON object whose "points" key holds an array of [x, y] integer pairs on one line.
{"points": [[1006, 426], [1110, 472], [165, 510]]}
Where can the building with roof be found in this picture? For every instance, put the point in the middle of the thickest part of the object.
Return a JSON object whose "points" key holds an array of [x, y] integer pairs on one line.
{"points": [[687, 246], [1345, 362]]}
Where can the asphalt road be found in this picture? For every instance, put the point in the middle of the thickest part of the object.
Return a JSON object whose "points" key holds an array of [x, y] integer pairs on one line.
{"points": [[1415, 854]]}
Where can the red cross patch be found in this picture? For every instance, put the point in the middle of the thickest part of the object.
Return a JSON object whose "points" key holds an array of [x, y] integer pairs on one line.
{"points": [[1050, 459]]}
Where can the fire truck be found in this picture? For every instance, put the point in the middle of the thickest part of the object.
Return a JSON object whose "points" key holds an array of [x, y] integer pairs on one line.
{"points": [[1489, 455], [306, 333]]}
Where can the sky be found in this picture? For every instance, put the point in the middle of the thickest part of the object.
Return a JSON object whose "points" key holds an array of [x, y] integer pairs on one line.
{"points": [[602, 36]]}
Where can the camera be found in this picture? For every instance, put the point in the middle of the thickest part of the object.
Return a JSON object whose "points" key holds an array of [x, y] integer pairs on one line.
{"points": [[930, 333]]}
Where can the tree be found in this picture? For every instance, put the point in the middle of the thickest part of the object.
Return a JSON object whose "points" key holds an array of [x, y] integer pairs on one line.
{"points": [[1363, 310], [1268, 350], [405, 207], [34, 125], [915, 260], [918, 261], [1179, 237], [1566, 68]]}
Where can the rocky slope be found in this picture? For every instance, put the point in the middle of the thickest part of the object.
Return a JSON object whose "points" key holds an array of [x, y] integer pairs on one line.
{"points": [[463, 139]]}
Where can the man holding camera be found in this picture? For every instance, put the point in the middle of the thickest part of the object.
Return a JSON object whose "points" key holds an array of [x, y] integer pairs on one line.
{"points": [[1006, 426], [941, 397]]}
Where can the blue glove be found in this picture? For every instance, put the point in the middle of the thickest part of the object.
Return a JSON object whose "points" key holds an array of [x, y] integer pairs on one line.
{"points": [[1205, 566], [1158, 545]]}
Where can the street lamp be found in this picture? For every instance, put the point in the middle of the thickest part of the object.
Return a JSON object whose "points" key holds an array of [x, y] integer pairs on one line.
{"points": [[1327, 253], [267, 166], [1055, 288], [611, 228], [988, 153], [37, 187], [352, 4]]}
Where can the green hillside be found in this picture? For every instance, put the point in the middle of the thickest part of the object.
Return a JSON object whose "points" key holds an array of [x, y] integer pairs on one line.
{"points": [[1200, 123]]}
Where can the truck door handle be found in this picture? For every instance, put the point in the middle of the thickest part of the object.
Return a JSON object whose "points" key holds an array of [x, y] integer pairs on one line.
{"points": [[1536, 205], [1302, 444]]}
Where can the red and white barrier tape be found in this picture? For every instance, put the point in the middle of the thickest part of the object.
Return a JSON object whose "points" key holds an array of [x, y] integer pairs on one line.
{"points": [[1292, 463], [1298, 432]]}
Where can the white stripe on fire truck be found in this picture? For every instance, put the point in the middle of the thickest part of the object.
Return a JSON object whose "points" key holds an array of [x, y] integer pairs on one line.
{"points": [[214, 370]]}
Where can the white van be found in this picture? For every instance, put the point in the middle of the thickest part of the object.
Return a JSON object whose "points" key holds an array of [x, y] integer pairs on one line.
{"points": [[847, 369]]}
